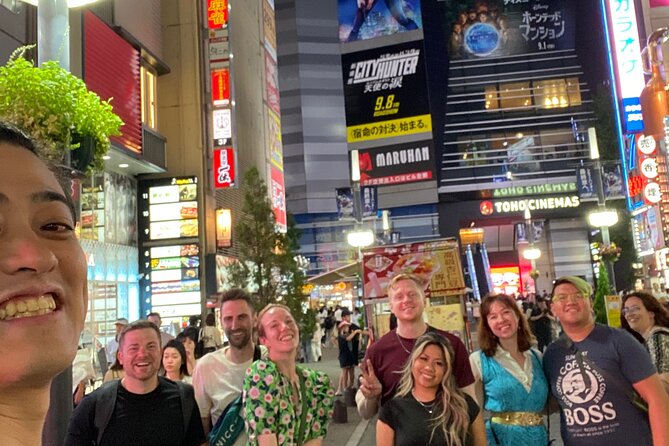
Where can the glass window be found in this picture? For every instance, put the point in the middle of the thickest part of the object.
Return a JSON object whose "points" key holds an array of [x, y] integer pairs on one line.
{"points": [[149, 99], [557, 93], [515, 95], [491, 101]]}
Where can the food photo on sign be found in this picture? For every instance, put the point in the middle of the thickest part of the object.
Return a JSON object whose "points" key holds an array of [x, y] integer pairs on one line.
{"points": [[436, 263]]}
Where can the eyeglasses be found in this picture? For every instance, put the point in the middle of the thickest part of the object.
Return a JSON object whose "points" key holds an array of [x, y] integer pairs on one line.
{"points": [[630, 310], [576, 297]]}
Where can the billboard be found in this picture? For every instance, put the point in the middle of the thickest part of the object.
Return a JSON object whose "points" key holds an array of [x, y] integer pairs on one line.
{"points": [[274, 145], [385, 85], [346, 203], [397, 164], [493, 28], [278, 195], [367, 19], [272, 84], [436, 262]]}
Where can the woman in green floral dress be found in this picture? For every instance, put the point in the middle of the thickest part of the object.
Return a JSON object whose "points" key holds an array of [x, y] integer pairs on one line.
{"points": [[284, 404]]}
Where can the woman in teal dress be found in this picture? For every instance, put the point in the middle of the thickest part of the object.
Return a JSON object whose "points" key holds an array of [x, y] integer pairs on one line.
{"points": [[284, 404], [509, 376]]}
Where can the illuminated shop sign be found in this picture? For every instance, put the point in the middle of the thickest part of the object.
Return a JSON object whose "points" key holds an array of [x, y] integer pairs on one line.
{"points": [[632, 115], [397, 164], [169, 249], [537, 189], [220, 86], [533, 204], [217, 13], [222, 123], [224, 167], [506, 279], [627, 49]]}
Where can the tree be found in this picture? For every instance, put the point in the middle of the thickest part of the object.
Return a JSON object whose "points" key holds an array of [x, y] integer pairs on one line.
{"points": [[266, 265], [603, 290]]}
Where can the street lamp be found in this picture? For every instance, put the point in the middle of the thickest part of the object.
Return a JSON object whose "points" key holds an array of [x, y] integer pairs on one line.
{"points": [[532, 254], [360, 238], [603, 218]]}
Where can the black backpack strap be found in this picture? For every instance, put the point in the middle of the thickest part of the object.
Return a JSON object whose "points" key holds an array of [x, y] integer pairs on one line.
{"points": [[105, 401], [187, 396]]}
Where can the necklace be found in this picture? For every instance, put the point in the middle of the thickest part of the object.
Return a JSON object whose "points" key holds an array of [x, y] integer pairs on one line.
{"points": [[428, 407], [400, 342]]}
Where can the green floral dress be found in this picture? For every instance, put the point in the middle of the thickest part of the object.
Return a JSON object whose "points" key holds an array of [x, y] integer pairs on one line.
{"points": [[268, 408]]}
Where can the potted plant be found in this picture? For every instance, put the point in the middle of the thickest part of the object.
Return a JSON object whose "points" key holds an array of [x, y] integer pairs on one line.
{"points": [[58, 110]]}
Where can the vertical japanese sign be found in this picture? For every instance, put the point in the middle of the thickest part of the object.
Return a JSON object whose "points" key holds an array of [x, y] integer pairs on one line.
{"points": [[278, 195], [224, 168], [274, 139], [220, 86], [626, 47], [217, 13]]}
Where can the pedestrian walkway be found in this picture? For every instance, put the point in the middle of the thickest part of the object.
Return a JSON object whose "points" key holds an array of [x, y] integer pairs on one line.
{"points": [[359, 432]]}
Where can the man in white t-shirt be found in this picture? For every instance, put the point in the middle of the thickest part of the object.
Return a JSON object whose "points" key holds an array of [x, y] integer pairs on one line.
{"points": [[218, 376]]}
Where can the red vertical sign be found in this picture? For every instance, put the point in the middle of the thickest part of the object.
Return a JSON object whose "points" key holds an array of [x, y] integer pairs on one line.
{"points": [[220, 86], [217, 13], [224, 168]]}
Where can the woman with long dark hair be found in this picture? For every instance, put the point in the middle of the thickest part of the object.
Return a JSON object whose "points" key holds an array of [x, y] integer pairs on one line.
{"points": [[429, 408], [175, 364], [509, 376], [648, 320]]}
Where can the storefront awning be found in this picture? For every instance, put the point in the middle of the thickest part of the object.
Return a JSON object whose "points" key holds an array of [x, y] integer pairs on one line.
{"points": [[336, 275]]}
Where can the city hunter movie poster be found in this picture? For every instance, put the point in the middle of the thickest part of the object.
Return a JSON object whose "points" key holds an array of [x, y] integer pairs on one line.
{"points": [[494, 28], [367, 19], [386, 83]]}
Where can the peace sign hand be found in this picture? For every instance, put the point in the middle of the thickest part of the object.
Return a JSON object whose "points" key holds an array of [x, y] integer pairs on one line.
{"points": [[370, 386]]}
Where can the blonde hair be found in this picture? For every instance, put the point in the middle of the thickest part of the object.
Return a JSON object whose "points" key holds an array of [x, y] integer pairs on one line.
{"points": [[406, 276], [451, 409]]}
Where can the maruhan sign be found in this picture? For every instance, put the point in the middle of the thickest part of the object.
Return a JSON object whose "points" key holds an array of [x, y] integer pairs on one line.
{"points": [[533, 204]]}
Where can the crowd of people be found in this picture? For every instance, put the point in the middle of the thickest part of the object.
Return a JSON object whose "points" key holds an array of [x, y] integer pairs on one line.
{"points": [[425, 387]]}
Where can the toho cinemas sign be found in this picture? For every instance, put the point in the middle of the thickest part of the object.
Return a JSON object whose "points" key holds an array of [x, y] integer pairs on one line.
{"points": [[397, 164]]}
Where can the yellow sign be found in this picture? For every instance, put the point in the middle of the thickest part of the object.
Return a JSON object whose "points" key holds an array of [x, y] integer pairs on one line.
{"points": [[446, 317], [613, 310], [389, 129]]}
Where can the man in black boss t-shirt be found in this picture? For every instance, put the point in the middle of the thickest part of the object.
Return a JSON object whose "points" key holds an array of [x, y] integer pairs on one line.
{"points": [[143, 409]]}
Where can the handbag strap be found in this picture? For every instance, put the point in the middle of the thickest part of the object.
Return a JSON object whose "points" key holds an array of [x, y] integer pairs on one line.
{"points": [[303, 415]]}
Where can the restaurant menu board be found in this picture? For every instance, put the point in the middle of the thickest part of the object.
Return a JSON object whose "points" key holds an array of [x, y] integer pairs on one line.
{"points": [[436, 262], [170, 253]]}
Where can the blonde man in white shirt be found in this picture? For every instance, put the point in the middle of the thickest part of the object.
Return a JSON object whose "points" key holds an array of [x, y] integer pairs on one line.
{"points": [[219, 376]]}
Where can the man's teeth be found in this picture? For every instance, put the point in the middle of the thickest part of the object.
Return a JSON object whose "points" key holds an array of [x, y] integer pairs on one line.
{"points": [[27, 307]]}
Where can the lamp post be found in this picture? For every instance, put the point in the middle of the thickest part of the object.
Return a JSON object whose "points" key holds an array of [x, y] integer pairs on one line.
{"points": [[531, 253], [602, 218]]}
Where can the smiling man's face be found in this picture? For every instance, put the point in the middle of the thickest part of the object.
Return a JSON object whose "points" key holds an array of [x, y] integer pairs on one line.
{"points": [[140, 354], [43, 291]]}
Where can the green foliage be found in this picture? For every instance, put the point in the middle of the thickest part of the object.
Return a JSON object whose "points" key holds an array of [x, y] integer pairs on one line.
{"points": [[267, 267], [605, 123], [603, 290], [53, 105]]}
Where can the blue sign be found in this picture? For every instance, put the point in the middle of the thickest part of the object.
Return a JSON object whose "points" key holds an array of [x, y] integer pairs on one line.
{"points": [[632, 114]]}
